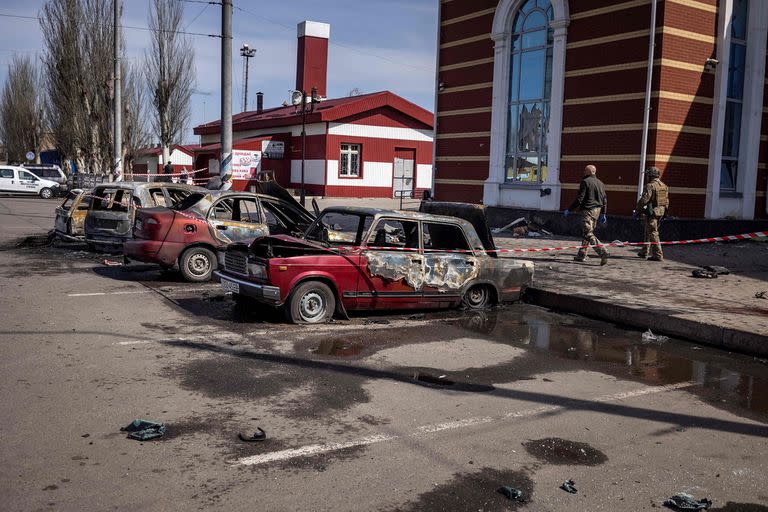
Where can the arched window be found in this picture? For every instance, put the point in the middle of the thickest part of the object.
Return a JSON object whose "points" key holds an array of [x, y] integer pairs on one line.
{"points": [[530, 87]]}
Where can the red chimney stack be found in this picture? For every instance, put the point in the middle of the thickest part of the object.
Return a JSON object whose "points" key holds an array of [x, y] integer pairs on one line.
{"points": [[312, 57]]}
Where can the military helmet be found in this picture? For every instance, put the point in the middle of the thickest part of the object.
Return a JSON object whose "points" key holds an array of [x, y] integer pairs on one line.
{"points": [[653, 172]]}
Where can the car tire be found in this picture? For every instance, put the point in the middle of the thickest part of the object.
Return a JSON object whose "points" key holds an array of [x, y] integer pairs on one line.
{"points": [[46, 193], [478, 296], [197, 264], [311, 302]]}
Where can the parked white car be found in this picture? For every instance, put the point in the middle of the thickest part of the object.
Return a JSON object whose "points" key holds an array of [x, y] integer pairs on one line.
{"points": [[17, 180]]}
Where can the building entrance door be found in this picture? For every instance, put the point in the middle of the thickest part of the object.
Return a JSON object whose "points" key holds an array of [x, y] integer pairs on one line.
{"points": [[402, 178]]}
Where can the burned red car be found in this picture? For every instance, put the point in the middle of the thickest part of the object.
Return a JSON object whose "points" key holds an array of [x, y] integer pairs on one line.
{"points": [[365, 259], [187, 235]]}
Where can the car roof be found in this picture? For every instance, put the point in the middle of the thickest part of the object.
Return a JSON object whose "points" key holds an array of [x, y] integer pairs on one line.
{"points": [[137, 185], [406, 214]]}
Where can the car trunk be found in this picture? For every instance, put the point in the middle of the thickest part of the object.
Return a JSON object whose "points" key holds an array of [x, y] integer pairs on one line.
{"points": [[472, 213]]}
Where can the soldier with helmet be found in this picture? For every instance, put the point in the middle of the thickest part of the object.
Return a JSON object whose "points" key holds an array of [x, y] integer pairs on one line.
{"points": [[652, 205]]}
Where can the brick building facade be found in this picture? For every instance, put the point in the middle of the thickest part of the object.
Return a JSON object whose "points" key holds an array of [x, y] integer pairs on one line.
{"points": [[530, 91]]}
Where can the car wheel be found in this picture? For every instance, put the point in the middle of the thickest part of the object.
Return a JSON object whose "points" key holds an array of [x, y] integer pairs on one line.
{"points": [[46, 193], [477, 297], [312, 302], [197, 264]]}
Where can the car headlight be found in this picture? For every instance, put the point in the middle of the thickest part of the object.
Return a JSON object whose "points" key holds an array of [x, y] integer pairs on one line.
{"points": [[257, 270]]}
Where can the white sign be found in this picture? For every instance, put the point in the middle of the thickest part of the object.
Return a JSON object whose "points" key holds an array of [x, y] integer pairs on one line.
{"points": [[30, 155], [245, 164], [273, 149]]}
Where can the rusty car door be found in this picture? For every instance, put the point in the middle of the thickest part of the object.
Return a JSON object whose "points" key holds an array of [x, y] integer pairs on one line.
{"points": [[234, 219], [392, 266], [448, 263]]}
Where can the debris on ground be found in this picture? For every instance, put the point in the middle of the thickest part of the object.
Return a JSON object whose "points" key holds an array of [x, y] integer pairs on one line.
{"points": [[511, 493], [381, 321], [649, 337], [569, 486], [259, 435], [515, 222], [710, 272], [113, 263], [417, 316], [762, 295], [684, 501], [144, 430]]}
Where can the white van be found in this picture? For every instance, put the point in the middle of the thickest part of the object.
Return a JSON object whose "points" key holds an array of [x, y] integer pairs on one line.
{"points": [[17, 180]]}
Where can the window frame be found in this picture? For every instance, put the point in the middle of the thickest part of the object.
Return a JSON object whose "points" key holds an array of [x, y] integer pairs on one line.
{"points": [[468, 251], [372, 230], [342, 152]]}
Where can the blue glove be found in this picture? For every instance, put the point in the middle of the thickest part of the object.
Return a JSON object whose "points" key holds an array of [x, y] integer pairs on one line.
{"points": [[603, 219], [566, 213]]}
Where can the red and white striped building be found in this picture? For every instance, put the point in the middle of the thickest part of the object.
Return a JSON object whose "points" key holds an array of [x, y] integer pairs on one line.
{"points": [[371, 145], [531, 91]]}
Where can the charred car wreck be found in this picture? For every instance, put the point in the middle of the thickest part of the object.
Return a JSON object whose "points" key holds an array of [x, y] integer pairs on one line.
{"points": [[187, 235], [365, 259], [70, 216]]}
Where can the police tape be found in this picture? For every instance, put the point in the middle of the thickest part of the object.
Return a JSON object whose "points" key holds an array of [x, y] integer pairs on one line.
{"points": [[194, 171], [727, 238]]}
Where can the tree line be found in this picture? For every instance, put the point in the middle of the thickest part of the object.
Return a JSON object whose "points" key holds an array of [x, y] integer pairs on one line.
{"points": [[69, 92]]}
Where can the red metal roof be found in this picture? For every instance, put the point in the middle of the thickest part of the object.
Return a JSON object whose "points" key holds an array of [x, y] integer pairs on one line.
{"points": [[328, 110]]}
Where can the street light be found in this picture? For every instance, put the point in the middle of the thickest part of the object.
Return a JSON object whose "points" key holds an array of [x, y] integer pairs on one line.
{"points": [[299, 100], [246, 52]]}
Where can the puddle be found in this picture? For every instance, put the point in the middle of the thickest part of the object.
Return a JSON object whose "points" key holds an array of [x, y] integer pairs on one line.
{"points": [[470, 492], [563, 452], [339, 348]]}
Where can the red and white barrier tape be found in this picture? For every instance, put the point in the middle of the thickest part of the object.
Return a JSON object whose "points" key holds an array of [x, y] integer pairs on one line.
{"points": [[728, 238], [139, 207], [194, 171]]}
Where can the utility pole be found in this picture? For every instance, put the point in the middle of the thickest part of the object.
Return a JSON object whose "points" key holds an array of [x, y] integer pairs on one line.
{"points": [[299, 100], [226, 93], [246, 52], [117, 132]]}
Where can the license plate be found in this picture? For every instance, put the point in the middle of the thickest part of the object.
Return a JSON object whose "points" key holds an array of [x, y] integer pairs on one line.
{"points": [[230, 286]]}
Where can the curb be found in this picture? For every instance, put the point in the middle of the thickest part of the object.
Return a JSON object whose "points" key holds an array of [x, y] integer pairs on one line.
{"points": [[698, 332]]}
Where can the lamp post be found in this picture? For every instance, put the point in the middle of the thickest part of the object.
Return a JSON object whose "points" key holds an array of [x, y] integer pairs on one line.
{"points": [[246, 52], [299, 100]]}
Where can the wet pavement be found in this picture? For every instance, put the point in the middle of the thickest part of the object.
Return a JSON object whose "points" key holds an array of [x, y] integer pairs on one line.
{"points": [[418, 411]]}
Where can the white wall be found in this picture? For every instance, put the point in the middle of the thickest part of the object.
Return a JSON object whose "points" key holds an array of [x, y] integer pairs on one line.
{"points": [[380, 132], [375, 174], [314, 172], [179, 157], [423, 176], [312, 129]]}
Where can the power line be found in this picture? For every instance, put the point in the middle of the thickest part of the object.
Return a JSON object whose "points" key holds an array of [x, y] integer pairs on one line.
{"points": [[132, 27], [205, 7], [335, 43]]}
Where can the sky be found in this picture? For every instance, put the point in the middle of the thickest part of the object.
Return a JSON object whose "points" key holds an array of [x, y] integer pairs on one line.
{"points": [[374, 45]]}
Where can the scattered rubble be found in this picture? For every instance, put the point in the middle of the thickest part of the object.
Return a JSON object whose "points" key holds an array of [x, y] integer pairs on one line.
{"points": [[569, 486], [144, 430], [762, 295], [259, 435], [511, 493], [685, 502], [649, 337], [710, 272]]}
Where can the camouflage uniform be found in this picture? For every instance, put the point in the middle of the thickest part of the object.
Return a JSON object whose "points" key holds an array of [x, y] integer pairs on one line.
{"points": [[592, 202], [653, 206]]}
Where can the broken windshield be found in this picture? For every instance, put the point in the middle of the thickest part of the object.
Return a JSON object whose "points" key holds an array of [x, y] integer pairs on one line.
{"points": [[339, 228], [188, 202]]}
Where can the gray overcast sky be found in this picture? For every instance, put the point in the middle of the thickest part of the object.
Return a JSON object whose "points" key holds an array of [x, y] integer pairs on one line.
{"points": [[375, 45]]}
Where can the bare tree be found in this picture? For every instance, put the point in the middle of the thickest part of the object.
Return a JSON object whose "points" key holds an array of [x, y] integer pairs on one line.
{"points": [[21, 110], [78, 77], [136, 132], [169, 70]]}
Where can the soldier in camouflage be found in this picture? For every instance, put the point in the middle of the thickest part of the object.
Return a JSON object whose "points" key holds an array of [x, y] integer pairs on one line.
{"points": [[653, 205], [592, 202]]}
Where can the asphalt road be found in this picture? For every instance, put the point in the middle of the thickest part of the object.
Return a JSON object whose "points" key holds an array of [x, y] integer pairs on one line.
{"points": [[405, 412]]}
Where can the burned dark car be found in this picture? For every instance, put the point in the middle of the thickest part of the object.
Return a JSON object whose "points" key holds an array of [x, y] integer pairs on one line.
{"points": [[365, 259]]}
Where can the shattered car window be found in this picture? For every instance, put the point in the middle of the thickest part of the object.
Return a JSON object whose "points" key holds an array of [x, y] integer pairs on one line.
{"points": [[113, 200], [67, 204], [339, 228], [157, 196], [222, 210], [188, 201], [444, 237], [247, 211], [397, 234], [177, 196]]}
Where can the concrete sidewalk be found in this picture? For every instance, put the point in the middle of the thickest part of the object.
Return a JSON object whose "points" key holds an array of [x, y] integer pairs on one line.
{"points": [[664, 297]]}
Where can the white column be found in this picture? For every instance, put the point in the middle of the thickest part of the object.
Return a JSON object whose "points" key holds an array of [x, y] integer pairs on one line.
{"points": [[552, 201], [499, 107], [752, 109], [712, 205]]}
